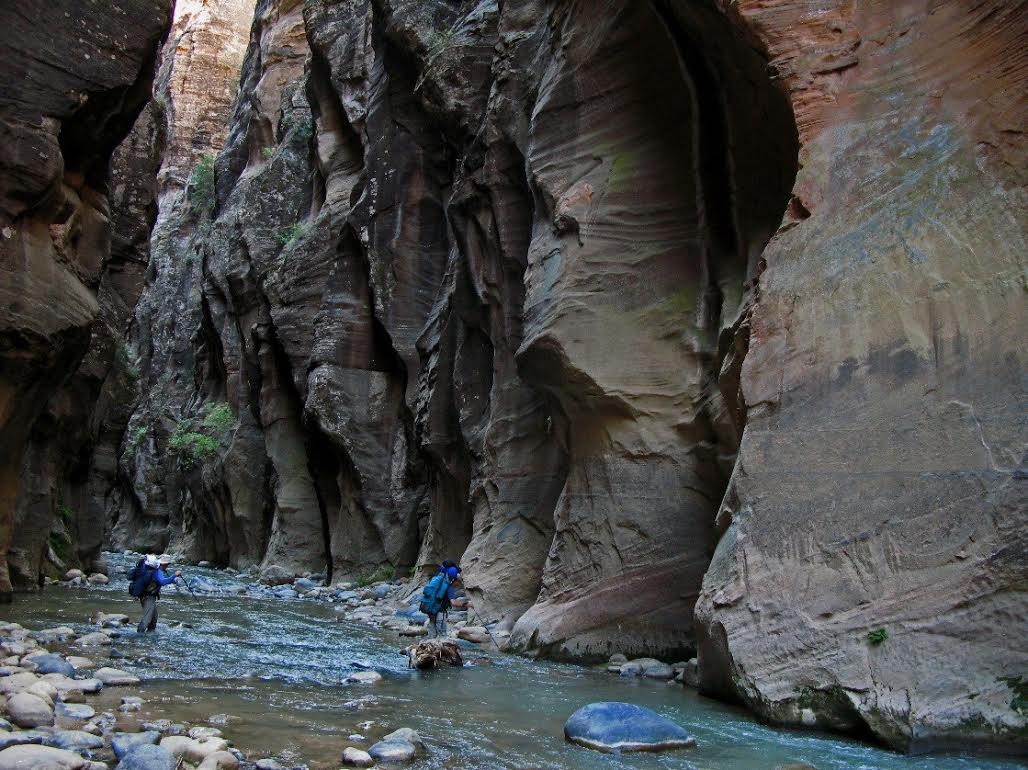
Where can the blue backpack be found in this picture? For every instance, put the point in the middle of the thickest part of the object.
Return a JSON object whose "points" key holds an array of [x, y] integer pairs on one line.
{"points": [[140, 578], [433, 597]]}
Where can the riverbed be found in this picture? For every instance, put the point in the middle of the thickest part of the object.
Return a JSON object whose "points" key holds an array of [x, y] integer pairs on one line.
{"points": [[271, 674]]}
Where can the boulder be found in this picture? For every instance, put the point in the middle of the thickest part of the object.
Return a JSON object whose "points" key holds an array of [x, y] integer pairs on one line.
{"points": [[617, 727], [115, 677], [193, 750], [17, 682], [112, 619], [19, 739], [74, 710], [34, 757], [74, 573], [407, 735], [94, 639], [392, 752], [98, 579], [357, 758], [275, 575], [79, 663], [73, 740], [476, 634], [219, 760], [52, 664], [51, 635], [27, 710], [147, 757]]}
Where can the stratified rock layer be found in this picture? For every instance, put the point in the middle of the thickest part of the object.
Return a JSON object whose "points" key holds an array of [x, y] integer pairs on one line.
{"points": [[71, 85], [879, 484]]}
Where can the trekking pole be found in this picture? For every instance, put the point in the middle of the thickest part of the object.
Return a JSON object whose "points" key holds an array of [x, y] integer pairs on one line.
{"points": [[496, 644], [184, 583]]}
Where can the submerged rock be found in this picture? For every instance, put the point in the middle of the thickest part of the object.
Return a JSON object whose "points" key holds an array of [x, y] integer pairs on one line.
{"points": [[612, 727]]}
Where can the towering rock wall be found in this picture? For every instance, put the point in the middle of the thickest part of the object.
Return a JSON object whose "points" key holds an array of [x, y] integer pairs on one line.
{"points": [[880, 481], [493, 281], [71, 85]]}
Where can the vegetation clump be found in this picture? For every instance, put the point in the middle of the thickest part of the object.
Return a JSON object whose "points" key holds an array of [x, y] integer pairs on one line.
{"points": [[289, 234], [876, 637], [384, 572], [200, 188], [196, 444]]}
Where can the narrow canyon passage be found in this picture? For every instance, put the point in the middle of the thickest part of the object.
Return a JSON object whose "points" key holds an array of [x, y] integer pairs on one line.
{"points": [[690, 328]]}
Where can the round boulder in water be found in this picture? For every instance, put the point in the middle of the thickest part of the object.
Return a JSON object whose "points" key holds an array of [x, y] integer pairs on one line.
{"points": [[612, 727]]}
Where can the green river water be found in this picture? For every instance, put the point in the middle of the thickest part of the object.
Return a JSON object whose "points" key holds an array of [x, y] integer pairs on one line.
{"points": [[276, 669]]}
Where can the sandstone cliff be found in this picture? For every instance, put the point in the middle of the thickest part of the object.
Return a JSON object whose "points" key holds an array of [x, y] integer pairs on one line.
{"points": [[67, 99], [635, 307]]}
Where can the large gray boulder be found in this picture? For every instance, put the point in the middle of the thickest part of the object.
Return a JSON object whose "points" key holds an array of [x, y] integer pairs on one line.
{"points": [[147, 757], [27, 710], [616, 727]]}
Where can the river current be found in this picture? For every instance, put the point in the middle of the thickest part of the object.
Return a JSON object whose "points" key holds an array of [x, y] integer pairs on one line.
{"points": [[270, 673]]}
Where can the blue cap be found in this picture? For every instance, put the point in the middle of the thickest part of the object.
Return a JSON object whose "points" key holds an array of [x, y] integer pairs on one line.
{"points": [[452, 573]]}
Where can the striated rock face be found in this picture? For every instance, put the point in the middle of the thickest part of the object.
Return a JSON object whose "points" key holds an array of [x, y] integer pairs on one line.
{"points": [[72, 85], [879, 483], [493, 282]]}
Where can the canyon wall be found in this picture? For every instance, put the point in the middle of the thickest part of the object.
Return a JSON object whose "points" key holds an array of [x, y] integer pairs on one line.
{"points": [[67, 99], [686, 326]]}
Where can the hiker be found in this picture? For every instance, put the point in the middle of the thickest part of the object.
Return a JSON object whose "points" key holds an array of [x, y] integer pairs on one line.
{"points": [[145, 583], [437, 595]]}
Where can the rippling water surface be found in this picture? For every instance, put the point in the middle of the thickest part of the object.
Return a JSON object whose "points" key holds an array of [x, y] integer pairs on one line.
{"points": [[276, 668]]}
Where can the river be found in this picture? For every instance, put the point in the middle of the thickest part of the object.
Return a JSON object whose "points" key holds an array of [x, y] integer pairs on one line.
{"points": [[276, 668]]}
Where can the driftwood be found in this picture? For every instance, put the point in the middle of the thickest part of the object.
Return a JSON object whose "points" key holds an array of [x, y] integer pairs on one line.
{"points": [[434, 652]]}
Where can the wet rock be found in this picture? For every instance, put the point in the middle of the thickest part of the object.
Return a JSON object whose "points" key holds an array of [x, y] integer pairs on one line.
{"points": [[74, 710], [363, 677], [44, 690], [79, 663], [164, 727], [202, 585], [406, 735], [115, 677], [647, 667], [476, 634], [17, 682], [99, 579], [73, 740], [19, 739], [130, 703], [51, 635], [203, 732], [617, 659], [112, 620], [27, 710], [357, 758], [5, 725], [65, 684], [392, 752], [219, 760], [690, 673], [74, 573], [147, 757], [42, 758], [275, 575], [413, 631], [613, 727], [94, 640], [193, 750], [268, 764], [53, 664]]}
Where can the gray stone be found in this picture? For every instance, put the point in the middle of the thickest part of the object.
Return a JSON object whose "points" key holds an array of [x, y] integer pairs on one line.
{"points": [[115, 677], [147, 757], [357, 758], [27, 710], [52, 664], [74, 710], [122, 743], [616, 727], [73, 740], [392, 751]]}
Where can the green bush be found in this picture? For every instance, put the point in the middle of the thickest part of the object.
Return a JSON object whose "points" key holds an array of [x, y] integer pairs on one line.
{"points": [[268, 152], [219, 418], [192, 446], [137, 438], [289, 234], [877, 636], [123, 358], [200, 189]]}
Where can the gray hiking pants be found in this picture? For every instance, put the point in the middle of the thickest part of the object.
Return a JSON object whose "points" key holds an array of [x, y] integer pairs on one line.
{"points": [[149, 620], [437, 625]]}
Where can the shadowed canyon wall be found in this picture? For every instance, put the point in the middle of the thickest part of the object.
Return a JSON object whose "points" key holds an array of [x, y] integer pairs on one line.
{"points": [[67, 99], [687, 326]]}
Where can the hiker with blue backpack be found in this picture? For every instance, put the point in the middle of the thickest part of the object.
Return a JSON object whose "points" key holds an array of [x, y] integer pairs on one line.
{"points": [[145, 583], [437, 595]]}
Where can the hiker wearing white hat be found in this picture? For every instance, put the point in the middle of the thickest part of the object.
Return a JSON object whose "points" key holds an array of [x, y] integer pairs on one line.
{"points": [[145, 583]]}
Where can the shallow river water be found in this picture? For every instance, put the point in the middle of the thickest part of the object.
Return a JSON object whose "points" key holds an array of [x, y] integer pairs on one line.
{"points": [[276, 668]]}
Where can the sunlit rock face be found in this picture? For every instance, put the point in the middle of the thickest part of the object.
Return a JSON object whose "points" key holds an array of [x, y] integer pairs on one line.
{"points": [[879, 483], [71, 86]]}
